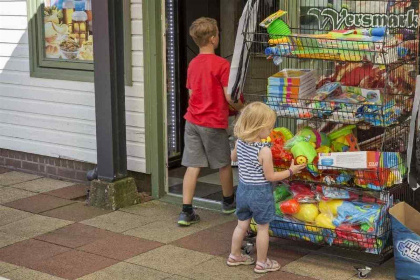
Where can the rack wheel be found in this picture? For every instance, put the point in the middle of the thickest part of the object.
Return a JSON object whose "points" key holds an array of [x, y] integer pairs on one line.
{"points": [[363, 272], [362, 276]]}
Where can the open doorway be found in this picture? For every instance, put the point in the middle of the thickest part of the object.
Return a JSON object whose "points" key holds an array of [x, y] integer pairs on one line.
{"points": [[181, 49]]}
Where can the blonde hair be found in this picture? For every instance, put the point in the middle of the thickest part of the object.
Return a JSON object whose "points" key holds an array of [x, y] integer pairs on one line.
{"points": [[254, 117], [202, 29]]}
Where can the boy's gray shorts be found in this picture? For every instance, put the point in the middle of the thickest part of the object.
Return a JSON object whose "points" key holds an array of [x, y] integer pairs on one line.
{"points": [[205, 147]]}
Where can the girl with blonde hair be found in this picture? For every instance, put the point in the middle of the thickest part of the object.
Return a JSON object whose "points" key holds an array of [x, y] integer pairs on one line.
{"points": [[254, 196]]}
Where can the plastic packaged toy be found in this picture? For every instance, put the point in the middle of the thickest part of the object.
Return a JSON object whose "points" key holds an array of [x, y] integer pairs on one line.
{"points": [[281, 132], [355, 235], [290, 206], [333, 195], [333, 216], [318, 138], [303, 152], [275, 26], [307, 213], [271, 18], [288, 228], [281, 157], [324, 220], [343, 140], [282, 193], [390, 170], [330, 206], [357, 213], [302, 192], [327, 90]]}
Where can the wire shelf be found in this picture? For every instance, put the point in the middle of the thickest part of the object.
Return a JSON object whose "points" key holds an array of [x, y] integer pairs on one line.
{"points": [[348, 238], [370, 234], [393, 111], [388, 145], [305, 46], [368, 45], [380, 179], [336, 31], [367, 94]]}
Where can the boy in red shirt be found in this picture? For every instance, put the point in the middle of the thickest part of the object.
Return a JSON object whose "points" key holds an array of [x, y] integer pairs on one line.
{"points": [[206, 138]]}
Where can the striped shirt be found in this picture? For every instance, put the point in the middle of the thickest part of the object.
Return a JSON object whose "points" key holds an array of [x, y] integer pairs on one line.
{"points": [[250, 169]]}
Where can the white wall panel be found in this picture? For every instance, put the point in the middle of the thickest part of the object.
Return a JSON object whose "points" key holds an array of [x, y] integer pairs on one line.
{"points": [[57, 118]]}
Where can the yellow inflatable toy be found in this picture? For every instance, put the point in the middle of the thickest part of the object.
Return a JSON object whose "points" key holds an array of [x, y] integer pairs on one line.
{"points": [[330, 206], [253, 226], [324, 149], [324, 220], [307, 213]]}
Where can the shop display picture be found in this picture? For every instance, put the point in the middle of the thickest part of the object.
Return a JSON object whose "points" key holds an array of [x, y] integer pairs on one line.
{"points": [[68, 30]]}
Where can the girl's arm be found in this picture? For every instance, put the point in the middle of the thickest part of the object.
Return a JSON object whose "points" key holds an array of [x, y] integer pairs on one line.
{"points": [[266, 159], [234, 154]]}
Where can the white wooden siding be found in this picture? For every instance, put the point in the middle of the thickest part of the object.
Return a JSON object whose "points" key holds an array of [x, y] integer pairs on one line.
{"points": [[54, 117]]}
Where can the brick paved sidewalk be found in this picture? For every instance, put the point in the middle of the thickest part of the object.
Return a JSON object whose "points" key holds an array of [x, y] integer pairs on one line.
{"points": [[47, 232]]}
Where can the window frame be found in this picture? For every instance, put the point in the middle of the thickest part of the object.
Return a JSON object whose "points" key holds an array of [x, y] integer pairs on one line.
{"points": [[42, 67]]}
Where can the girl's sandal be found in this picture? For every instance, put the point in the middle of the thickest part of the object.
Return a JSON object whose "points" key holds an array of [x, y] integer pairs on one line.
{"points": [[268, 266], [242, 260]]}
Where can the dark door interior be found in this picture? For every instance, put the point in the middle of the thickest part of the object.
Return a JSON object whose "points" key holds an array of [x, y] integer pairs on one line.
{"points": [[183, 13], [190, 10]]}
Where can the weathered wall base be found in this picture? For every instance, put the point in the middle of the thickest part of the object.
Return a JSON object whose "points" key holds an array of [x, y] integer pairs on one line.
{"points": [[62, 169]]}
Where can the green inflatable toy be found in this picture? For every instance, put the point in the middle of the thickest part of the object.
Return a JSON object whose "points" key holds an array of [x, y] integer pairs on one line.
{"points": [[285, 132], [303, 152], [282, 193], [318, 138]]}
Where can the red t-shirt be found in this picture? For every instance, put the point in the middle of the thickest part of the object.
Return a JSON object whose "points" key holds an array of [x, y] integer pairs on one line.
{"points": [[207, 75]]}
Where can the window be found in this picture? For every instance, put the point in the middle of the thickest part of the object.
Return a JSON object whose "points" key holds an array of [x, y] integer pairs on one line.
{"points": [[61, 39]]}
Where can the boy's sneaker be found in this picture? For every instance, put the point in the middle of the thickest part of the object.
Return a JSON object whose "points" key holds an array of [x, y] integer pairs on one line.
{"points": [[186, 219], [228, 208]]}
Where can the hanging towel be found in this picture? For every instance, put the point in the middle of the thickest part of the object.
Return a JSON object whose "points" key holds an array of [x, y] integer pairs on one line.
{"points": [[414, 130], [240, 60]]}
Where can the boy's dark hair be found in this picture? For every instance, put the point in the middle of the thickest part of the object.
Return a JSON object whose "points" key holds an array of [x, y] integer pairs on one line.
{"points": [[202, 29]]}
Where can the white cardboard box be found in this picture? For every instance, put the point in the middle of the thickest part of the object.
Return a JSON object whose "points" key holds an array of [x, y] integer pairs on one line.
{"points": [[350, 160]]}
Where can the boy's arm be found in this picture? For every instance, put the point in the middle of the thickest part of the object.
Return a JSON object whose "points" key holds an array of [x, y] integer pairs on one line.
{"points": [[189, 92], [224, 79], [237, 106], [234, 154]]}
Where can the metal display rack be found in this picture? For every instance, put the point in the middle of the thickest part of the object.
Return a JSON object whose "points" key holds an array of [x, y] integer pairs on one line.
{"points": [[387, 64]]}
